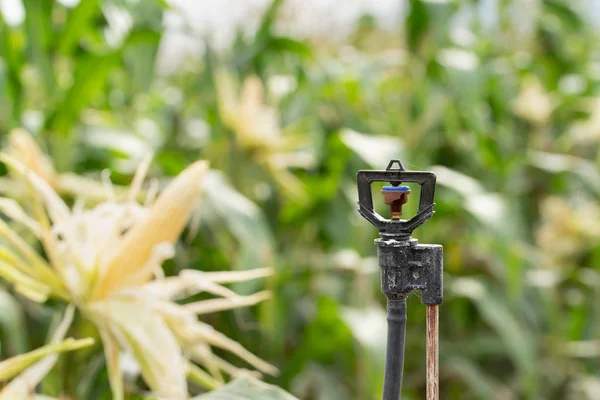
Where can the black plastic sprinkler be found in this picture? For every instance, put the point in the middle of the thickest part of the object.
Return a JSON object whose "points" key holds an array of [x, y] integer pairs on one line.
{"points": [[405, 267]]}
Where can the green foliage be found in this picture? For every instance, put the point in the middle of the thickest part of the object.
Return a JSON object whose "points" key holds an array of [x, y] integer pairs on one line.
{"points": [[247, 389], [501, 104]]}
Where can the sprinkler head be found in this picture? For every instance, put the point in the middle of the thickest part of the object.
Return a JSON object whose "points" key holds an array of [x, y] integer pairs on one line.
{"points": [[406, 266], [395, 197]]}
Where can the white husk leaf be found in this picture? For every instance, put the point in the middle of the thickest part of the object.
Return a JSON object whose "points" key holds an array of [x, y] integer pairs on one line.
{"points": [[150, 340]]}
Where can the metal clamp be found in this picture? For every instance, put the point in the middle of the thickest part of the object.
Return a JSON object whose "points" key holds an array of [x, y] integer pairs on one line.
{"points": [[411, 267]]}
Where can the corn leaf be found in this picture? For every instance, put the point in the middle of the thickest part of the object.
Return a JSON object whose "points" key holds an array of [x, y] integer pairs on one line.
{"points": [[11, 367], [22, 385], [247, 389]]}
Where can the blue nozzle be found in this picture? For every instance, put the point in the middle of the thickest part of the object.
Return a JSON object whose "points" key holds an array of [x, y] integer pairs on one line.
{"points": [[396, 189]]}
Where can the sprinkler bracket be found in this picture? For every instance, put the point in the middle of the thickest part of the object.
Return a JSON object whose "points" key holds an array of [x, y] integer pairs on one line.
{"points": [[397, 228]]}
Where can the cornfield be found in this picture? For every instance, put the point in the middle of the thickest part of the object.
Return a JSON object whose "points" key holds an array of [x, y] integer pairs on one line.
{"points": [[194, 234]]}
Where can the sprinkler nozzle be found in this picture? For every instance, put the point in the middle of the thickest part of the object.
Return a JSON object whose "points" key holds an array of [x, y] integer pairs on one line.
{"points": [[395, 197]]}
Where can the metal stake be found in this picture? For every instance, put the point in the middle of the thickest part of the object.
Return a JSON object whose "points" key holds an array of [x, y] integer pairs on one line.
{"points": [[432, 344]]}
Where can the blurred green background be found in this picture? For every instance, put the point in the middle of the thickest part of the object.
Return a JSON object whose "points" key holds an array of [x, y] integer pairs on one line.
{"points": [[499, 98]]}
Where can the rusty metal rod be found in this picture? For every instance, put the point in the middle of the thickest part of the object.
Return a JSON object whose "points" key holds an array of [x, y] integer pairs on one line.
{"points": [[432, 344]]}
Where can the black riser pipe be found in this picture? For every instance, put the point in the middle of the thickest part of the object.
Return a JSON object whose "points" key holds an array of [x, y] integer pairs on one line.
{"points": [[394, 362]]}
